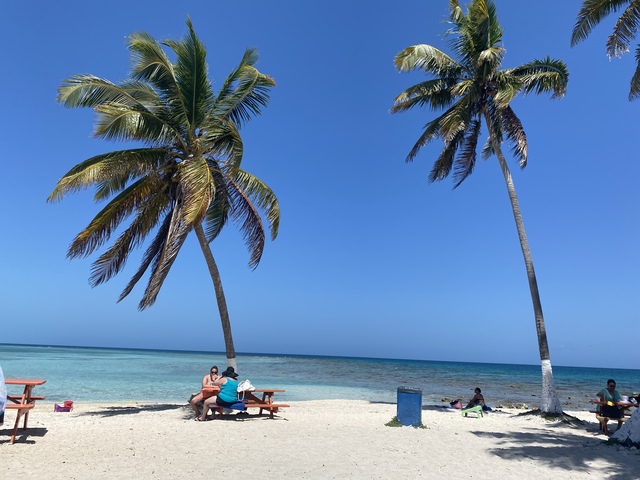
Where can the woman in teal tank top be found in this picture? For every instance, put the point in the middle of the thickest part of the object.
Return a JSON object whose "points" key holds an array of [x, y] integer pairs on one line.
{"points": [[228, 384]]}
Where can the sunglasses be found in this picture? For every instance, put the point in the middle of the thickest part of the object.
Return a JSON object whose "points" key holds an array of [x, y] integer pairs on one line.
{"points": [[612, 384]]}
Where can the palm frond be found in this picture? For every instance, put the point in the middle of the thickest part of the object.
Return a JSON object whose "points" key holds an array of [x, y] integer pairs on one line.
{"points": [[152, 252], [542, 76], [512, 126], [151, 64], [223, 142], [114, 259], [624, 31], [111, 171], [431, 131], [467, 153], [192, 77], [590, 15], [429, 59], [112, 215], [220, 207], [262, 196], [243, 92], [196, 189], [115, 122], [634, 91], [249, 58], [249, 95], [246, 216], [443, 164], [435, 94], [174, 239], [91, 91]]}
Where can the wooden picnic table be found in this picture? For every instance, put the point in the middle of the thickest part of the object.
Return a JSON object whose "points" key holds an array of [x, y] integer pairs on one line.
{"points": [[623, 405], [22, 403], [254, 399], [265, 402]]}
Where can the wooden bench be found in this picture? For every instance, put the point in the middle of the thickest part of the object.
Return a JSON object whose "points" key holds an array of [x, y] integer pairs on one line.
{"points": [[272, 407], [23, 409], [612, 419], [602, 420], [253, 399], [22, 403], [18, 398], [18, 406]]}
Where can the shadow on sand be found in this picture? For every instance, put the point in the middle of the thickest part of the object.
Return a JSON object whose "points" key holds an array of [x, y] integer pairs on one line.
{"points": [[566, 451], [187, 413], [23, 435], [114, 411]]}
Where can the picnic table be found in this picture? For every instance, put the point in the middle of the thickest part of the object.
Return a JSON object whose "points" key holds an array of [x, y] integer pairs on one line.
{"points": [[623, 405], [22, 403], [265, 402], [261, 398]]}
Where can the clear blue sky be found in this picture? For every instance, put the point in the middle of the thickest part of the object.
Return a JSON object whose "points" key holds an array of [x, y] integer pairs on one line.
{"points": [[371, 260]]}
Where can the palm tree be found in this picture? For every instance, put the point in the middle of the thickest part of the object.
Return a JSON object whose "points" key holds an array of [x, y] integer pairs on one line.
{"points": [[474, 90], [185, 174], [593, 12]]}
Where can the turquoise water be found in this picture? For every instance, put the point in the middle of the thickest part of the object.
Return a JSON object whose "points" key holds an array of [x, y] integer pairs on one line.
{"points": [[114, 375]]}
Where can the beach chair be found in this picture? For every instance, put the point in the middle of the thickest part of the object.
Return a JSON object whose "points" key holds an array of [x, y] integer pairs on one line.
{"points": [[477, 410], [66, 407]]}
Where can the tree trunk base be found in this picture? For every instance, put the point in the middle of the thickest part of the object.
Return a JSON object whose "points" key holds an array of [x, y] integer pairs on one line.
{"points": [[558, 417]]}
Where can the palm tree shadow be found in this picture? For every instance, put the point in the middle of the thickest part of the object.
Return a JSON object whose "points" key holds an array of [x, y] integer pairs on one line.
{"points": [[565, 451], [115, 410]]}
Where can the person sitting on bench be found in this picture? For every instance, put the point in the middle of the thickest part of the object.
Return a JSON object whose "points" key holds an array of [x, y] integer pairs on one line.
{"points": [[608, 407], [228, 384], [205, 392]]}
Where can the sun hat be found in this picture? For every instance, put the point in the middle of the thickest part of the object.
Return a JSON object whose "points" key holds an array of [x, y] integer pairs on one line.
{"points": [[230, 372]]}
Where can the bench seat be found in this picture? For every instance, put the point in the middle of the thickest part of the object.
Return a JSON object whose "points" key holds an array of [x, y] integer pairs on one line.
{"points": [[272, 407], [19, 406], [623, 419], [23, 409], [18, 398]]}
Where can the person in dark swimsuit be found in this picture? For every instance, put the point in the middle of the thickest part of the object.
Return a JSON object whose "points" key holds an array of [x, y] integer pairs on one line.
{"points": [[477, 399]]}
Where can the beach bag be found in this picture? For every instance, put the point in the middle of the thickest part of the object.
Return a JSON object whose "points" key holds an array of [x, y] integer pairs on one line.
{"points": [[245, 386]]}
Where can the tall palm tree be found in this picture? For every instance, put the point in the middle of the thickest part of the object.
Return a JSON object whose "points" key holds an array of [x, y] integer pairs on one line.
{"points": [[473, 90], [593, 12], [186, 174]]}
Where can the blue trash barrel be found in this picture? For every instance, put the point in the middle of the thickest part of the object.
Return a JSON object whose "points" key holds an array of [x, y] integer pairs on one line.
{"points": [[409, 406]]}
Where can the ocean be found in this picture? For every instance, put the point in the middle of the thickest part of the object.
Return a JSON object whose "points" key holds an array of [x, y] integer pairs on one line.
{"points": [[103, 375]]}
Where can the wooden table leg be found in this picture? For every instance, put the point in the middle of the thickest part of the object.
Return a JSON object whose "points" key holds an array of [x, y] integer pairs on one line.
{"points": [[27, 394]]}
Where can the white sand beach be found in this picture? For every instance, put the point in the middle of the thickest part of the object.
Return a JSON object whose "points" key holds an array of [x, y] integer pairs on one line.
{"points": [[314, 439]]}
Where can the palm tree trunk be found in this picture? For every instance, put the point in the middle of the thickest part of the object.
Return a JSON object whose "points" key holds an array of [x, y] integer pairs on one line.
{"points": [[550, 401], [222, 302]]}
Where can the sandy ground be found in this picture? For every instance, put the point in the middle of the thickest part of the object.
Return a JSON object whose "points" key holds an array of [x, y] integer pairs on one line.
{"points": [[315, 439]]}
